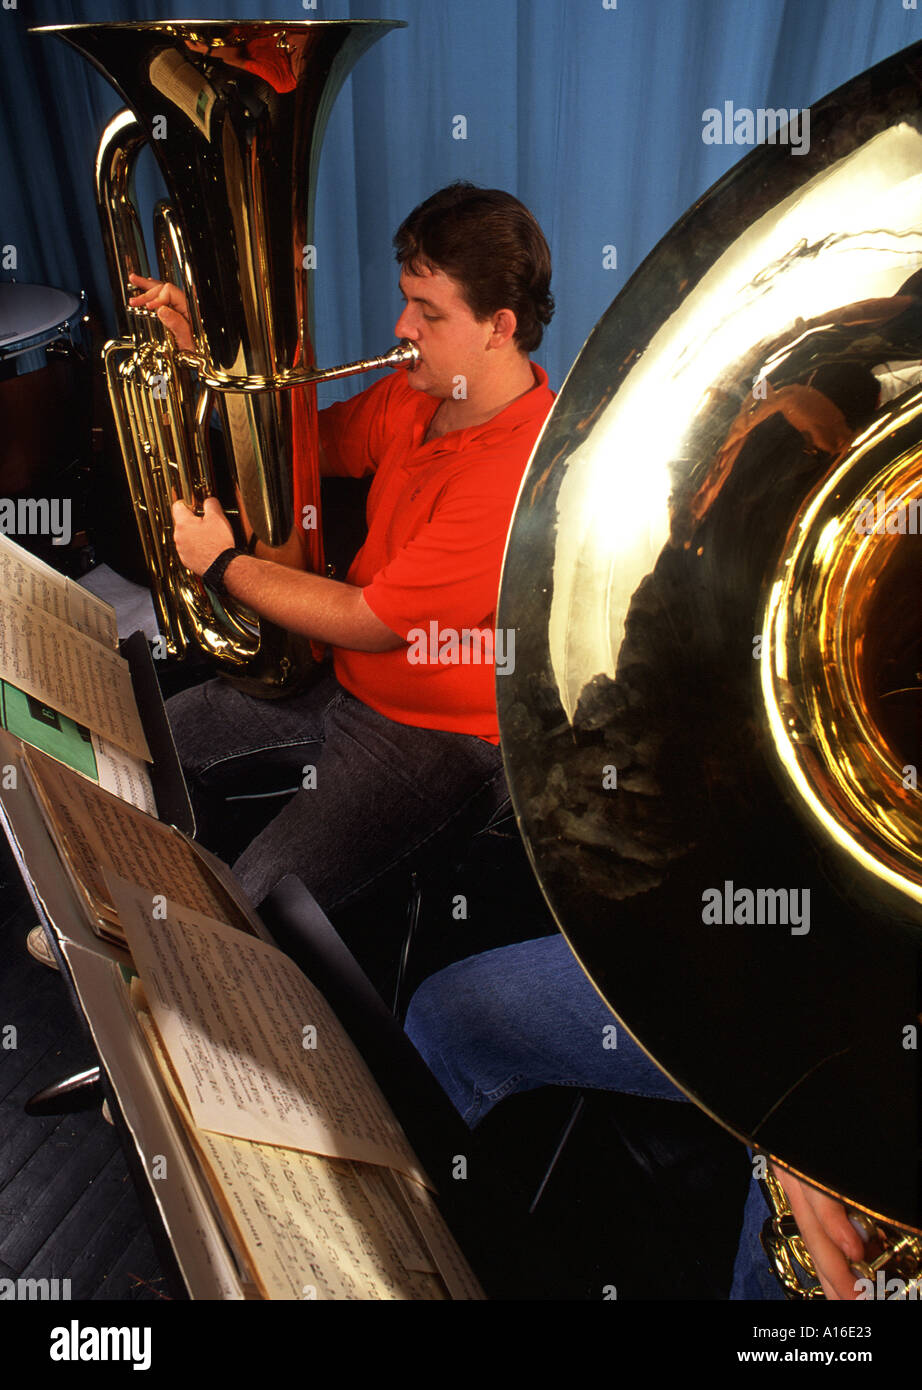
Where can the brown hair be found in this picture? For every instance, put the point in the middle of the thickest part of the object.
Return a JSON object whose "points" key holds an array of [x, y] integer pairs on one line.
{"points": [[491, 244]]}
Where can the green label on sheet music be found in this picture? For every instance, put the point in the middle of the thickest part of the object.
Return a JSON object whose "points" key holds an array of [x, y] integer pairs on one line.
{"points": [[48, 730]]}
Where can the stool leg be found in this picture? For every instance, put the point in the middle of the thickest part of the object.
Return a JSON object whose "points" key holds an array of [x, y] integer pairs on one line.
{"points": [[561, 1145], [414, 907]]}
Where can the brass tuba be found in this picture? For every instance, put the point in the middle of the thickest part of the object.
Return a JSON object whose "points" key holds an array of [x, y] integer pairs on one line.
{"points": [[713, 732], [235, 116]]}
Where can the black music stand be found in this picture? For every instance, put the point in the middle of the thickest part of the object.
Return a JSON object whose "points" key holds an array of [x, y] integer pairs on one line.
{"points": [[86, 1089]]}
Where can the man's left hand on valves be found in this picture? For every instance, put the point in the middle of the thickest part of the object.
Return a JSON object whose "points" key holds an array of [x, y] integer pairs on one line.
{"points": [[201, 539]]}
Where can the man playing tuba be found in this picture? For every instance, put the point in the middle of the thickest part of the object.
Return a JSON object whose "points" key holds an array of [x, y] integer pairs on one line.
{"points": [[341, 783]]}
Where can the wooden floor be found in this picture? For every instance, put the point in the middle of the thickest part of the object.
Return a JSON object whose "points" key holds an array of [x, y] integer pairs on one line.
{"points": [[68, 1209]]}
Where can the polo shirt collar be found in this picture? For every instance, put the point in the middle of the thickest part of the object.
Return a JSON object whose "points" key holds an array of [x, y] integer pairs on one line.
{"points": [[517, 411]]}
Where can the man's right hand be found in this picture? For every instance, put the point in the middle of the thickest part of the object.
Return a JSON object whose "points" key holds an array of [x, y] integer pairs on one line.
{"points": [[827, 1232], [170, 305]]}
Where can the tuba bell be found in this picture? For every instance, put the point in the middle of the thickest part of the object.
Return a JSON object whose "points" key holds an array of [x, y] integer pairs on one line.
{"points": [[713, 730], [235, 116]]}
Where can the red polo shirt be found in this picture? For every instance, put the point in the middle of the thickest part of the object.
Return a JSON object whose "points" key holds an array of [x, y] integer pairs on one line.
{"points": [[438, 514]]}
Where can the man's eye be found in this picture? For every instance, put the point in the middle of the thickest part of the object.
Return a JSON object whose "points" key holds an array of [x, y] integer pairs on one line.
{"points": [[432, 318]]}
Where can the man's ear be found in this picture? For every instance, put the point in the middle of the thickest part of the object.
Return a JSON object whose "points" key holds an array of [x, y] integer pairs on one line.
{"points": [[504, 326]]}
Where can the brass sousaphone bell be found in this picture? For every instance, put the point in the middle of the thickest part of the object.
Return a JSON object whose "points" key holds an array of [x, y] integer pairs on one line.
{"points": [[713, 732], [235, 116]]}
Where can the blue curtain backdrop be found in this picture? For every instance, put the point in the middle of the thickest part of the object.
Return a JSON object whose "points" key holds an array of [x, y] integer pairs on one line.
{"points": [[589, 111]]}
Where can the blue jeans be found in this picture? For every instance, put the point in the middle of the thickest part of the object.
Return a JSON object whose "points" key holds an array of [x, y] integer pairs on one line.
{"points": [[322, 786], [526, 1016]]}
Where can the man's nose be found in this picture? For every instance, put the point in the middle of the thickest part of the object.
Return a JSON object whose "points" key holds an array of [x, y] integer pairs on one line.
{"points": [[405, 327]]}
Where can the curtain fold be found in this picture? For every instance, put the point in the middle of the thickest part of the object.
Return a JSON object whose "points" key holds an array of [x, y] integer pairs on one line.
{"points": [[592, 115]]}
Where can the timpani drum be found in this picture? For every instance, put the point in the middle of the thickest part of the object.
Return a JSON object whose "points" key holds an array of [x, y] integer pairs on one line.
{"points": [[44, 387]]}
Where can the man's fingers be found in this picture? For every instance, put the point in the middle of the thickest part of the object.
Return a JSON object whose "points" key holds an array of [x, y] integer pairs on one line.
{"points": [[210, 507], [842, 1232], [178, 326], [158, 292], [831, 1267], [183, 511], [147, 290], [828, 1234], [168, 302]]}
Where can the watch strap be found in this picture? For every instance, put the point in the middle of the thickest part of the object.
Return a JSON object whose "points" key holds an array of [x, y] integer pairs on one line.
{"points": [[214, 575]]}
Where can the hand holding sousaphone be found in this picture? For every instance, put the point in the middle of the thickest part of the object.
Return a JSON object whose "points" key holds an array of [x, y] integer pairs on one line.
{"points": [[818, 1247]]}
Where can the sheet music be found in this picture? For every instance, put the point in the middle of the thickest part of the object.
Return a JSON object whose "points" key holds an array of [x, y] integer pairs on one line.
{"points": [[234, 1015], [53, 662], [91, 615], [392, 1211], [32, 581], [182, 84], [97, 830], [310, 1227], [123, 775], [28, 579], [303, 1223], [453, 1267], [317, 1234]]}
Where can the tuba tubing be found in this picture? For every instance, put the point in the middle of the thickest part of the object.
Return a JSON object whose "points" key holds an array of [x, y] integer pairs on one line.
{"points": [[234, 114]]}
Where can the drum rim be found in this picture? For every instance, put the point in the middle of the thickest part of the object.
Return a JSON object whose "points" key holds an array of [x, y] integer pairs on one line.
{"points": [[50, 331]]}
